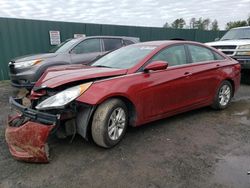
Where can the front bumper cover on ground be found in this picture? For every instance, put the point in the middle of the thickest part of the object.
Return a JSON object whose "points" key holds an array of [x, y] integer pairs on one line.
{"points": [[27, 141]]}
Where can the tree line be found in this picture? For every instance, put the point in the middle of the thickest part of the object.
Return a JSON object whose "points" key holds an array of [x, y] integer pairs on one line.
{"points": [[205, 24]]}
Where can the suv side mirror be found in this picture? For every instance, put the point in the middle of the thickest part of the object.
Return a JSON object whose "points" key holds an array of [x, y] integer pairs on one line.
{"points": [[73, 51], [217, 39], [156, 65]]}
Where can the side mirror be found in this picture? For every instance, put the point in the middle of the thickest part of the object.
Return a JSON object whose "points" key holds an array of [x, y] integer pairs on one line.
{"points": [[156, 65], [72, 51], [217, 39]]}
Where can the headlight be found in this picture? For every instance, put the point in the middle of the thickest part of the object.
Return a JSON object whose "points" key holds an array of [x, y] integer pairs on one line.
{"points": [[61, 99], [245, 50], [26, 64], [244, 46], [243, 53]]}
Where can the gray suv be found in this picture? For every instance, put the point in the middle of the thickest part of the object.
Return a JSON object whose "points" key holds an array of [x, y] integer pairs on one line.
{"points": [[25, 71]]}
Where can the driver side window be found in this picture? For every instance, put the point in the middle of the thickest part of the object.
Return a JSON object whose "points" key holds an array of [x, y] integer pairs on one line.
{"points": [[87, 46], [174, 55]]}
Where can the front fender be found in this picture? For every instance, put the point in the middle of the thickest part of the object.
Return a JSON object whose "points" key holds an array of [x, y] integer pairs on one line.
{"points": [[96, 95], [126, 87]]}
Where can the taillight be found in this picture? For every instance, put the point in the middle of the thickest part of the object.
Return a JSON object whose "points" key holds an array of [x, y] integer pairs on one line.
{"points": [[238, 66]]}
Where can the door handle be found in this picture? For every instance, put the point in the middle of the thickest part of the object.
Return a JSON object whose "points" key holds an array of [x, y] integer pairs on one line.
{"points": [[187, 73], [218, 65]]}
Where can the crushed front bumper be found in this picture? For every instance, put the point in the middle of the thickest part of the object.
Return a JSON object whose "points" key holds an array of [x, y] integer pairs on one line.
{"points": [[27, 133], [34, 115]]}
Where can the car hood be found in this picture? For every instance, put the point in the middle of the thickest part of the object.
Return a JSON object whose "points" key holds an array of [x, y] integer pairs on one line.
{"points": [[228, 42], [60, 75], [34, 57]]}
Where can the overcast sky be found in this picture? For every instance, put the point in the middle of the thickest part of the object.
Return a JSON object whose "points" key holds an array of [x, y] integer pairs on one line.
{"points": [[126, 12]]}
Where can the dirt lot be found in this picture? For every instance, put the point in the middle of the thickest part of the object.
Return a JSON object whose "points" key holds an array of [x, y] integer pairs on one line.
{"points": [[202, 148]]}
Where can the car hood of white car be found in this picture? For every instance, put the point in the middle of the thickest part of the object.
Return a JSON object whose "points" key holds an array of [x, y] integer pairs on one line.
{"points": [[229, 42]]}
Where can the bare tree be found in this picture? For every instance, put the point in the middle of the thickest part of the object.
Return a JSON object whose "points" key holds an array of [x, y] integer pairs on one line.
{"points": [[214, 25], [192, 23], [166, 25], [178, 23], [206, 23]]}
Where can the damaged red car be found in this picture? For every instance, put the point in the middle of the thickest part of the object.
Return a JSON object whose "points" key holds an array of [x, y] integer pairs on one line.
{"points": [[131, 86]]}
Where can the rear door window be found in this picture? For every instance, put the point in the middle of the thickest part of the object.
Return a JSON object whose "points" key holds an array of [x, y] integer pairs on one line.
{"points": [[218, 56], [88, 46], [200, 54], [111, 44], [127, 42]]}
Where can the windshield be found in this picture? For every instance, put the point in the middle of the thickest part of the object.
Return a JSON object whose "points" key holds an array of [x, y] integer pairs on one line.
{"points": [[125, 57], [236, 34], [64, 47]]}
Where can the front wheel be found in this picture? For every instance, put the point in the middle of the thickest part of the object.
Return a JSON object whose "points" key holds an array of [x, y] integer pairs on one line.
{"points": [[109, 123], [223, 96]]}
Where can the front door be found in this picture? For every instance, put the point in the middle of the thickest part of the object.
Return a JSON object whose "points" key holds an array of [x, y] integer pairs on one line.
{"points": [[164, 91], [86, 51]]}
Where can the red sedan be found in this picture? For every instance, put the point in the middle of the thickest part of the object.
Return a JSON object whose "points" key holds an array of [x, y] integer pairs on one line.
{"points": [[131, 86]]}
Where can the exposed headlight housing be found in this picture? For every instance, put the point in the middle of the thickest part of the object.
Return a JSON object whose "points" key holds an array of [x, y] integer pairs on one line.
{"points": [[63, 98], [25, 64]]}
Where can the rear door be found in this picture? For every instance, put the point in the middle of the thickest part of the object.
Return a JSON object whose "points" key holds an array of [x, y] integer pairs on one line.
{"points": [[86, 51], [205, 66]]}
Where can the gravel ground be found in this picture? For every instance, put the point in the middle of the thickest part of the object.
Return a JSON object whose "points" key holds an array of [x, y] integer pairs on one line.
{"points": [[201, 148]]}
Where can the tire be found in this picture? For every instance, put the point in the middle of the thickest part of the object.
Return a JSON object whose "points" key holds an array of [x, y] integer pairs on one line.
{"points": [[108, 126], [223, 96]]}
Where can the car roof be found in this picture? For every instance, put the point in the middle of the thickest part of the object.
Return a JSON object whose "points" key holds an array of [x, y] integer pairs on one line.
{"points": [[134, 39], [165, 43], [244, 27]]}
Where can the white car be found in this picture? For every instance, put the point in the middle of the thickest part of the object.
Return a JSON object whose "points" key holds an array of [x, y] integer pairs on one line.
{"points": [[236, 44]]}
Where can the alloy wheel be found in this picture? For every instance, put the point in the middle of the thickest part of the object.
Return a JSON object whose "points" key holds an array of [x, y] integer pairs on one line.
{"points": [[116, 123], [224, 95]]}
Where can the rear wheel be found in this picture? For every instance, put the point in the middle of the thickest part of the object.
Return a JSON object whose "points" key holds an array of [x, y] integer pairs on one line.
{"points": [[223, 96], [109, 123]]}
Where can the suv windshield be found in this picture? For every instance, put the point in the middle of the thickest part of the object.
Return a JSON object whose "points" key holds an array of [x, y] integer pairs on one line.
{"points": [[236, 34], [125, 57], [64, 47]]}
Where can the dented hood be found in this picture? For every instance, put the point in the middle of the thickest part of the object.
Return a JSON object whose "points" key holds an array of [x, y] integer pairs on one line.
{"points": [[60, 75]]}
